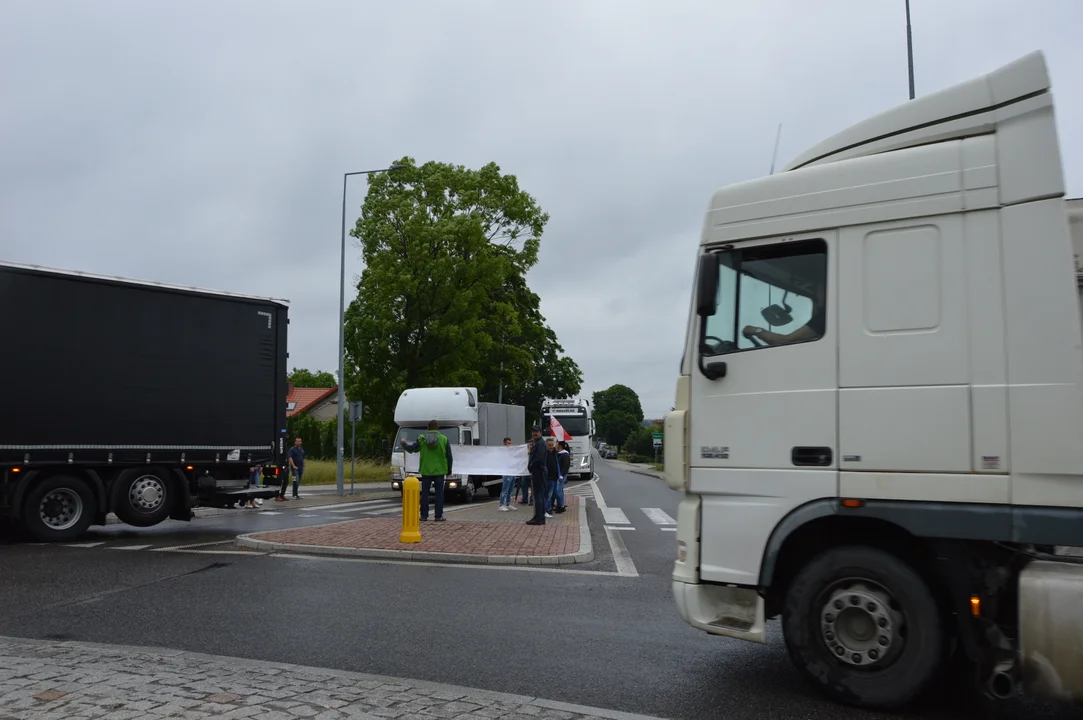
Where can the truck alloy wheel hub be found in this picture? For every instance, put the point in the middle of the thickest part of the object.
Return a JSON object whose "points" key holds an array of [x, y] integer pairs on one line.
{"points": [[858, 626], [60, 508], [147, 493]]}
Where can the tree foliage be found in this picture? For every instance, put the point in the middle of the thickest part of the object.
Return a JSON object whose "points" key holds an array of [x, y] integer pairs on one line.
{"points": [[304, 378], [443, 299], [618, 413]]}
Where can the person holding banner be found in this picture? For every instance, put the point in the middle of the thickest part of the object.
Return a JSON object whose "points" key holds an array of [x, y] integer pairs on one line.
{"points": [[434, 465]]}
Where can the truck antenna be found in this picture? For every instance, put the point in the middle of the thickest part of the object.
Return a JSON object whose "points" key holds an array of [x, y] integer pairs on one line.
{"points": [[774, 155]]}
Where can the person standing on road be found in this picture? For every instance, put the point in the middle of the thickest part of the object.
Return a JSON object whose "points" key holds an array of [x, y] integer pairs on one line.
{"points": [[536, 465], [507, 492], [434, 465]]}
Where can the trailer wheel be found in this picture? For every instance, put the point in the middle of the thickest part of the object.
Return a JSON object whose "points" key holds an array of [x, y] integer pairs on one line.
{"points": [[58, 509], [142, 497], [863, 626]]}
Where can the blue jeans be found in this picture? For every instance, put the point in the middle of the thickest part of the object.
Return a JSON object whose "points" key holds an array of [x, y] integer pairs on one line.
{"points": [[297, 479], [507, 492], [556, 493], [254, 478], [426, 483]]}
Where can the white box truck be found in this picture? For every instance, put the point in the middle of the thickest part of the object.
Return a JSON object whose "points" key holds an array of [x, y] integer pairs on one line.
{"points": [[465, 421], [878, 427]]}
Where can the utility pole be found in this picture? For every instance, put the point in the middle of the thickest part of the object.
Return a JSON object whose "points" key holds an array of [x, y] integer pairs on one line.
{"points": [[909, 50]]}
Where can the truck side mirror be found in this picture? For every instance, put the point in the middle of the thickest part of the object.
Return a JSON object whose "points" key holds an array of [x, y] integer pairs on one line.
{"points": [[707, 286]]}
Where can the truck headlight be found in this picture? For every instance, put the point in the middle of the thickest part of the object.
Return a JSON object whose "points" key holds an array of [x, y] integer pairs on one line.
{"points": [[682, 551]]}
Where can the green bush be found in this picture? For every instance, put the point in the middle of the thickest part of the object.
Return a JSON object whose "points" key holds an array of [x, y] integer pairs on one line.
{"points": [[319, 439]]}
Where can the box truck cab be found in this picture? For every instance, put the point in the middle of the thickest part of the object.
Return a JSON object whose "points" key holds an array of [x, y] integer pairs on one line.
{"points": [[879, 420]]}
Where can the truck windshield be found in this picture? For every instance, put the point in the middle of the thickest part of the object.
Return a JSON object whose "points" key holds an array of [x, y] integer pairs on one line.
{"points": [[577, 427], [410, 434]]}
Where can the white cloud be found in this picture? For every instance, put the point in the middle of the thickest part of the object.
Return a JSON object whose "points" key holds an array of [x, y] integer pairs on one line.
{"points": [[204, 143]]}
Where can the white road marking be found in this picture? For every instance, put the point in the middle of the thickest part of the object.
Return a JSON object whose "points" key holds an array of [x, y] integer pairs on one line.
{"points": [[360, 503], [130, 547], [270, 512], [219, 552], [84, 545], [658, 516], [307, 515], [598, 499], [668, 529], [625, 566], [615, 516], [619, 527], [174, 548], [365, 509]]}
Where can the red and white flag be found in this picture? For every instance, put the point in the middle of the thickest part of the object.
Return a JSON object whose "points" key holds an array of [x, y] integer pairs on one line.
{"points": [[558, 429]]}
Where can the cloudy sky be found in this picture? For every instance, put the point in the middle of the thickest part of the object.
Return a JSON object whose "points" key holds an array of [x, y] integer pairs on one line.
{"points": [[203, 142]]}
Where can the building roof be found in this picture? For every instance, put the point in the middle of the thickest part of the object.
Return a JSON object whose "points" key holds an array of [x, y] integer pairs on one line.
{"points": [[299, 400]]}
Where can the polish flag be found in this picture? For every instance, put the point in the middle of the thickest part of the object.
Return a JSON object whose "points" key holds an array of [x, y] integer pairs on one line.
{"points": [[558, 429]]}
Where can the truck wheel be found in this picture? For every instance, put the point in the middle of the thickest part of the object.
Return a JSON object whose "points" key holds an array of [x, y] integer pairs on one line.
{"points": [[468, 491], [142, 497], [58, 509], [863, 627]]}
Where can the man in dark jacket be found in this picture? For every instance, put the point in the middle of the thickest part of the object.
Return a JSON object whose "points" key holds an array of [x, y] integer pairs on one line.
{"points": [[536, 465]]}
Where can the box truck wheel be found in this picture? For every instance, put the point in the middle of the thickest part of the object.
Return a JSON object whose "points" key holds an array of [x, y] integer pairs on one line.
{"points": [[468, 490], [864, 627], [142, 496], [58, 509]]}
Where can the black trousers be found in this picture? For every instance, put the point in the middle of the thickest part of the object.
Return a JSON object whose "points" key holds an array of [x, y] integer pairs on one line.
{"points": [[537, 488], [427, 482]]}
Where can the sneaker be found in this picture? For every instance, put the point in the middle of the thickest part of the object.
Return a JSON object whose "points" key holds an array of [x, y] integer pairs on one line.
{"points": [[548, 515], [503, 508], [512, 507], [259, 502]]}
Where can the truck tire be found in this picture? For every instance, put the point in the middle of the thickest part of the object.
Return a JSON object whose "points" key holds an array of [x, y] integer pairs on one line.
{"points": [[468, 490], [862, 626], [58, 509], [142, 496]]}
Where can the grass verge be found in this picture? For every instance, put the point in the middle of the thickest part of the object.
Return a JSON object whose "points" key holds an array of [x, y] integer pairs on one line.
{"points": [[324, 472]]}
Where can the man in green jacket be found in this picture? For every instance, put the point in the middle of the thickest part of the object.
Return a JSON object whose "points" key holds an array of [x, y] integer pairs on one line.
{"points": [[434, 466]]}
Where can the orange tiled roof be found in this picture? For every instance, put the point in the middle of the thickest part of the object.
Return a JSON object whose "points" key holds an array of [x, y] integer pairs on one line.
{"points": [[307, 398]]}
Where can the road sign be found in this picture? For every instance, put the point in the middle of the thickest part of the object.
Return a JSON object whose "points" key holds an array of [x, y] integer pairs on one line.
{"points": [[657, 437], [355, 411]]}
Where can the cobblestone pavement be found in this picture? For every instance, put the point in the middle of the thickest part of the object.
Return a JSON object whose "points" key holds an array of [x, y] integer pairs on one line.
{"points": [[481, 531], [47, 680]]}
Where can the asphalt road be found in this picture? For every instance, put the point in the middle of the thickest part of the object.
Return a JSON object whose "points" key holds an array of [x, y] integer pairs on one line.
{"points": [[583, 635]]}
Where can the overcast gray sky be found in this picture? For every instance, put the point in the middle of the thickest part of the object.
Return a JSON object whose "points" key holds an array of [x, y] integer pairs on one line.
{"points": [[204, 143]]}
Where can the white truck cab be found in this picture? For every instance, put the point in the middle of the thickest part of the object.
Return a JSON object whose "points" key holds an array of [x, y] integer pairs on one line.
{"points": [[879, 420], [577, 418]]}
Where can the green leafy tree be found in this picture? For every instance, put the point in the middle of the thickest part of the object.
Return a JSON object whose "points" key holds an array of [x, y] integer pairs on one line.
{"points": [[304, 378], [443, 296], [616, 426], [618, 412]]}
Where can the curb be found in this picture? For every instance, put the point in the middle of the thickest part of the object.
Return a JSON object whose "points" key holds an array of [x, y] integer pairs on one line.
{"points": [[648, 473], [152, 653], [585, 554]]}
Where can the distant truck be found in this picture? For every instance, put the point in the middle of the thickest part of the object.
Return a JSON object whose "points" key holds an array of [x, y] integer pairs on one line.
{"points": [[465, 421], [135, 398], [576, 418]]}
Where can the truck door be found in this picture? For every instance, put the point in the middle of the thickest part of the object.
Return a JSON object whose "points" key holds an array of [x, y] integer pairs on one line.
{"points": [[764, 398]]}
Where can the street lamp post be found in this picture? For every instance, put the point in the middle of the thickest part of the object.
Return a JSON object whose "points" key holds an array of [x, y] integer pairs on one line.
{"points": [[909, 50], [341, 329]]}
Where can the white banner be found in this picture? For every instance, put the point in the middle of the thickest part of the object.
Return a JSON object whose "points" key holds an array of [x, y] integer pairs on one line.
{"points": [[478, 460]]}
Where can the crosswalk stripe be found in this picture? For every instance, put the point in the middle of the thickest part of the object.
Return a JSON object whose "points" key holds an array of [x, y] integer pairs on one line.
{"points": [[615, 516], [668, 529], [85, 545], [130, 547], [658, 516], [366, 509]]}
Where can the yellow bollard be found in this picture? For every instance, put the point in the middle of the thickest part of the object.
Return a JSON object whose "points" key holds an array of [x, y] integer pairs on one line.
{"points": [[411, 510]]}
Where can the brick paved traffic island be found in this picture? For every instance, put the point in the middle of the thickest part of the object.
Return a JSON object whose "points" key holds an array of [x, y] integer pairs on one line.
{"points": [[471, 534]]}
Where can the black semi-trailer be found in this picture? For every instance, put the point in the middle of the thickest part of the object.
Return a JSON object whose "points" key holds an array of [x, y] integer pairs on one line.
{"points": [[135, 398]]}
